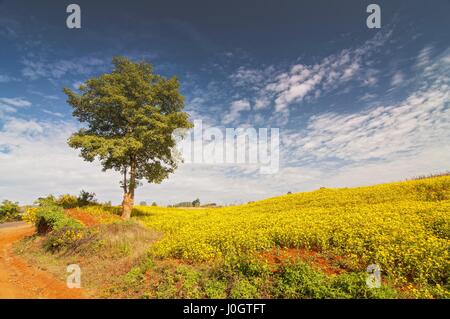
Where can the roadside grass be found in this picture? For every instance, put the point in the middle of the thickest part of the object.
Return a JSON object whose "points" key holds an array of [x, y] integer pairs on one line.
{"points": [[104, 252]]}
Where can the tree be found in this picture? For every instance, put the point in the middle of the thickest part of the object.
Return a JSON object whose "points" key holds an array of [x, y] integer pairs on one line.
{"points": [[85, 198], [154, 204], [130, 115], [50, 200], [143, 203], [9, 211], [196, 203], [67, 201]]}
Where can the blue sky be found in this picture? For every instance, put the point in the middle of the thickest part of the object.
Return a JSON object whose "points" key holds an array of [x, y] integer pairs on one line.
{"points": [[355, 106]]}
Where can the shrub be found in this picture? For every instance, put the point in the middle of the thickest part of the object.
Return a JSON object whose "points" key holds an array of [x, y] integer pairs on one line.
{"points": [[71, 201], [48, 200], [67, 201], [215, 289], [52, 217], [63, 238], [299, 280], [196, 203], [30, 215], [244, 289], [353, 285], [9, 211], [86, 198]]}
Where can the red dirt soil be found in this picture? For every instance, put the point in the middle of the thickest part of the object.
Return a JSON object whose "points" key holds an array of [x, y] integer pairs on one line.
{"points": [[87, 219], [277, 256], [18, 279]]}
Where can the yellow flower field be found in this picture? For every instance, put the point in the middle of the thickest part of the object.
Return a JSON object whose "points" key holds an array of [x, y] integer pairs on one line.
{"points": [[403, 227]]}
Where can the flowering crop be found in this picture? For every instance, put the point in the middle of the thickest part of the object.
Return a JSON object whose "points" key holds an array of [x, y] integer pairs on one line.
{"points": [[403, 227]]}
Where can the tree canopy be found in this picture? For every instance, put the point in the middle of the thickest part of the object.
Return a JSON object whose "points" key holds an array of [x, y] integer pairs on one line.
{"points": [[129, 116]]}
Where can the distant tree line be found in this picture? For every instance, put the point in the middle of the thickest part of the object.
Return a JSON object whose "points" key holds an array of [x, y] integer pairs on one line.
{"points": [[9, 211], [69, 201]]}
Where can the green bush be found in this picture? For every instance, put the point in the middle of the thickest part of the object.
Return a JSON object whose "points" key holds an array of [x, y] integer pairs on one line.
{"points": [[216, 289], [67, 201], [52, 217], [46, 201], [243, 288], [188, 280], [66, 237], [86, 198], [299, 280], [353, 285], [9, 211]]}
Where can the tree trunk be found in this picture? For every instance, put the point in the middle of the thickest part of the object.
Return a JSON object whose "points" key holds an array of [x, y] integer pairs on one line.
{"points": [[127, 205], [128, 196]]}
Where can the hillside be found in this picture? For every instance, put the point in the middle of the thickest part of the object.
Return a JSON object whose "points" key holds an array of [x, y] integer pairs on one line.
{"points": [[307, 245], [403, 227]]}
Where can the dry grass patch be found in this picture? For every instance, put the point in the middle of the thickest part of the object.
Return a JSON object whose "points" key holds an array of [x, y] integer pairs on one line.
{"points": [[105, 253]]}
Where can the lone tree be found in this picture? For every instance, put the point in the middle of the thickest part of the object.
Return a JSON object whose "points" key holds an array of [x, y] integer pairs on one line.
{"points": [[129, 116], [196, 203]]}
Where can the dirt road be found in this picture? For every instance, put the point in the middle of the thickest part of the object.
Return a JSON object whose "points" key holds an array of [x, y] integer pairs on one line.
{"points": [[18, 279]]}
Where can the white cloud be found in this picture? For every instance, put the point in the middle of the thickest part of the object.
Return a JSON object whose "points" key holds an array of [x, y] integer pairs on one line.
{"points": [[430, 160], [10, 105], [303, 80], [15, 102], [385, 132], [43, 95], [380, 132], [235, 109], [53, 113], [35, 69], [397, 78], [244, 77], [261, 103], [379, 144], [6, 109], [8, 27], [6, 78], [385, 142], [19, 127], [38, 161], [424, 56]]}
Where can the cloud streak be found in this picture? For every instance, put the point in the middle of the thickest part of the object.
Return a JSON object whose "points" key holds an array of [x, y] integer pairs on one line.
{"points": [[35, 69], [405, 128], [303, 81]]}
